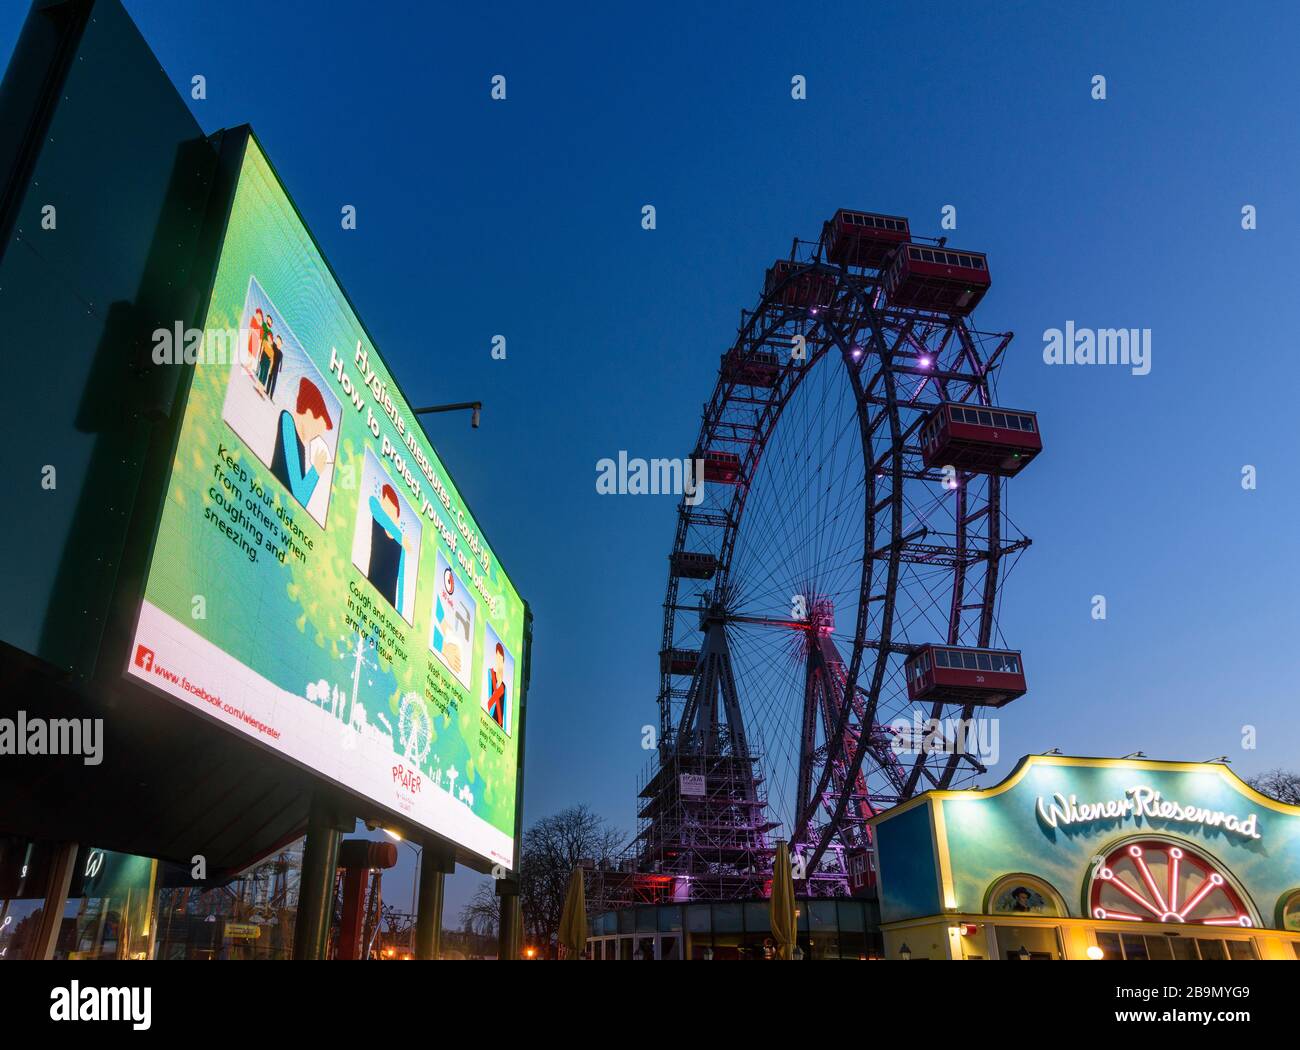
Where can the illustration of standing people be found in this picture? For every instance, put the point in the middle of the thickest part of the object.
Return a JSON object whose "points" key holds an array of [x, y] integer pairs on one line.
{"points": [[294, 436], [389, 546]]}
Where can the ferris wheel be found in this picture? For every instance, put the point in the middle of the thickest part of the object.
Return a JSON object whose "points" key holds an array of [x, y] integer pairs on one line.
{"points": [[830, 624]]}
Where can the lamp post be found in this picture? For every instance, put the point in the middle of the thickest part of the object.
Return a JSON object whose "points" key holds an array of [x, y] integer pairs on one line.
{"points": [[415, 877], [475, 407]]}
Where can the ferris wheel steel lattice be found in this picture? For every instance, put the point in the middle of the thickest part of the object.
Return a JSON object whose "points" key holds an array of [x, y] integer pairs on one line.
{"points": [[835, 584]]}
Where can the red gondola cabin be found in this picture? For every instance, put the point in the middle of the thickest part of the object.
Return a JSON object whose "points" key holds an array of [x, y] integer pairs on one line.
{"points": [[812, 289], [678, 661], [760, 368], [939, 279], [693, 565], [980, 439], [722, 467], [956, 675], [861, 238]]}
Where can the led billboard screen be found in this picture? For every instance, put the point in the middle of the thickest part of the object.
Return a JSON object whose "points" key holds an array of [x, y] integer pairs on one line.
{"points": [[317, 582]]}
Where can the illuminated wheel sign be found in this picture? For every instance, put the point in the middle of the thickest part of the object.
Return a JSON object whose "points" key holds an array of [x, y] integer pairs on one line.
{"points": [[1159, 882]]}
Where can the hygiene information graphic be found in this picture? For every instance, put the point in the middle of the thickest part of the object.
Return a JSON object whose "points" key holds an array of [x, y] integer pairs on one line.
{"points": [[317, 581]]}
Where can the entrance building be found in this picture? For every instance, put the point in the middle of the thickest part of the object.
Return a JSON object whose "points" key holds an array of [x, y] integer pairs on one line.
{"points": [[1092, 858]]}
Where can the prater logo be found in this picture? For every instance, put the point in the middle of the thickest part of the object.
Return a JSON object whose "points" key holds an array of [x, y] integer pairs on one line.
{"points": [[75, 1003], [408, 778]]}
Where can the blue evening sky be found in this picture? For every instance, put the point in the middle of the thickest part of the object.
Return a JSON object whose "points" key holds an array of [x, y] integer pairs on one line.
{"points": [[523, 218]]}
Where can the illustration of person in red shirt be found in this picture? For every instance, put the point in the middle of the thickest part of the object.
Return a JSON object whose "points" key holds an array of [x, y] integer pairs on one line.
{"points": [[497, 688]]}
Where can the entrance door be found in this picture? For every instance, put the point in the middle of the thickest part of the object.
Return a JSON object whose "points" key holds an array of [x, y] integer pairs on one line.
{"points": [[669, 946]]}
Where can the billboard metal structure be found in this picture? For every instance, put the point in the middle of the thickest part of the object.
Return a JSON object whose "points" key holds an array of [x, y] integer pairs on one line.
{"points": [[106, 255]]}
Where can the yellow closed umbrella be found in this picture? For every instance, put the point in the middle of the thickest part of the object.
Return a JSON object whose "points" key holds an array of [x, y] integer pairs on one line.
{"points": [[573, 920], [781, 904]]}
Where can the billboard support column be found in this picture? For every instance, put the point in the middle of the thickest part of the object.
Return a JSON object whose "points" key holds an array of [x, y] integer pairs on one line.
{"points": [[435, 865], [509, 929], [320, 856]]}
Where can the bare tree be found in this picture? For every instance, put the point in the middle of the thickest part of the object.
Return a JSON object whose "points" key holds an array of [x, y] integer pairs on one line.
{"points": [[1280, 784], [482, 915], [552, 847]]}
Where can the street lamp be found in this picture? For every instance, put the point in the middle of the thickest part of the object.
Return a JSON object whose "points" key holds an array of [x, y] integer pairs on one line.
{"points": [[419, 858], [475, 407], [415, 878]]}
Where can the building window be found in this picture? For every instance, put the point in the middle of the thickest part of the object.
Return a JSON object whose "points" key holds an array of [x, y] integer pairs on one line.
{"points": [[1139, 946]]}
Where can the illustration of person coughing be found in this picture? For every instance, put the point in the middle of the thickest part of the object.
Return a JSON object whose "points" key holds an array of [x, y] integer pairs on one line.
{"points": [[388, 548], [293, 437]]}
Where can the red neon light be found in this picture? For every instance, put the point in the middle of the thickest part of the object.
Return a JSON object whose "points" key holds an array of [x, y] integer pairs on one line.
{"points": [[1136, 872]]}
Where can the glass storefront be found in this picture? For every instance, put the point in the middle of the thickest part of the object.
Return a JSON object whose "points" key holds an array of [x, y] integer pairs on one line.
{"points": [[722, 930], [24, 873], [109, 909], [120, 906], [1137, 946], [251, 917]]}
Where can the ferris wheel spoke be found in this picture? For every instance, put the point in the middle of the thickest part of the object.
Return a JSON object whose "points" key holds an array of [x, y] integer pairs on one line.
{"points": [[791, 531]]}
